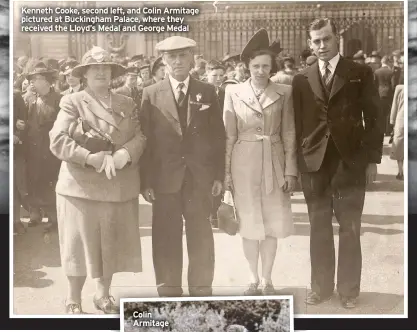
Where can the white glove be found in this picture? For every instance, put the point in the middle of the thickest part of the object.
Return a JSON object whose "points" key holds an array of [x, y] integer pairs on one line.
{"points": [[108, 166], [121, 157]]}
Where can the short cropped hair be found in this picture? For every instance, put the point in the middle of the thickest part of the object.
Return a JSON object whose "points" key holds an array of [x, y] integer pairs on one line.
{"points": [[200, 63], [319, 23], [214, 64]]}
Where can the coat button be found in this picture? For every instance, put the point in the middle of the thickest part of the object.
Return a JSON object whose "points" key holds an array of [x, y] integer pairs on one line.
{"points": [[259, 129], [259, 115], [327, 135]]}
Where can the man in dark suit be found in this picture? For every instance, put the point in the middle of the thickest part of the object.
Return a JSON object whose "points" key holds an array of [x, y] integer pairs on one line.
{"points": [[337, 158], [182, 168], [383, 80]]}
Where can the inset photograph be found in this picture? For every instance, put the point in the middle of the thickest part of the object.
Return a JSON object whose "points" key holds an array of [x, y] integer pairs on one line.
{"points": [[221, 314]]}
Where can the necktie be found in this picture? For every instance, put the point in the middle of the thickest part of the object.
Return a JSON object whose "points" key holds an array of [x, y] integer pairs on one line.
{"points": [[181, 94], [327, 77]]}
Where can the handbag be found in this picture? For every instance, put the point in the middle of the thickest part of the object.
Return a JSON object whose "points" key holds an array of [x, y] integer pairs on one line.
{"points": [[79, 132], [227, 214]]}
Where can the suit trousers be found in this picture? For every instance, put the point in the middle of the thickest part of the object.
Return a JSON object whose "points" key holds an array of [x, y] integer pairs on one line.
{"points": [[194, 204], [386, 103], [340, 189]]}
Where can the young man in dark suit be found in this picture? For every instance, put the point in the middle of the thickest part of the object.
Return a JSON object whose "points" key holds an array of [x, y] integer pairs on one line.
{"points": [[182, 168], [130, 88], [337, 158]]}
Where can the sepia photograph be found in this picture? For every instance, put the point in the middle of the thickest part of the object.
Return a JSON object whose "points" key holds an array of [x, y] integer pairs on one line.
{"points": [[203, 149], [225, 314]]}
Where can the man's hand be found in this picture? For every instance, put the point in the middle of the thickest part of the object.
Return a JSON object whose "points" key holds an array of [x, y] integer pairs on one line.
{"points": [[217, 188], [228, 182], [290, 183], [371, 172], [149, 195]]}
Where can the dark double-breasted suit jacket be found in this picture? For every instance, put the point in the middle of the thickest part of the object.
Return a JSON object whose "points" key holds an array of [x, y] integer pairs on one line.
{"points": [[169, 151], [351, 116]]}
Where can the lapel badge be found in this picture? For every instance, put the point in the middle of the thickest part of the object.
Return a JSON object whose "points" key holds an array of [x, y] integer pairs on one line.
{"points": [[198, 97], [122, 114]]}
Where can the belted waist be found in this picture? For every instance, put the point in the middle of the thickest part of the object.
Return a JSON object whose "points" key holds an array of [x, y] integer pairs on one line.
{"points": [[256, 137], [267, 141]]}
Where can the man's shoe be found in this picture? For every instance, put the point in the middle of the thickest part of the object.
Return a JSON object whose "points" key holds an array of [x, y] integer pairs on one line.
{"points": [[348, 302], [106, 304], [314, 299]]}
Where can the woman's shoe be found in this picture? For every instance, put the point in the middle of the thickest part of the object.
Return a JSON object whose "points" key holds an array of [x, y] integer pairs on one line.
{"points": [[268, 289], [106, 304], [74, 309], [252, 289]]}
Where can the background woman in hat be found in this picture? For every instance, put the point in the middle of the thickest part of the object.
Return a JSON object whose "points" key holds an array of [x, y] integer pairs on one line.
{"points": [[97, 136], [261, 165], [42, 166], [74, 83]]}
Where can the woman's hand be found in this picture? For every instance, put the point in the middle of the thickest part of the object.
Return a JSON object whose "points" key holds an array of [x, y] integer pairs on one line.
{"points": [[108, 166], [228, 182], [290, 183], [96, 160], [121, 158]]}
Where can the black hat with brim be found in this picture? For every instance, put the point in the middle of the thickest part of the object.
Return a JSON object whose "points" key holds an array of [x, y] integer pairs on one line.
{"points": [[135, 58], [259, 41], [231, 58], [275, 47], [40, 68], [132, 70], [68, 66], [98, 56]]}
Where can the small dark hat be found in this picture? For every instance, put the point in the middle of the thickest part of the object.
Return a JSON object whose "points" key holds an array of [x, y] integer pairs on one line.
{"points": [[51, 63], [67, 67], [311, 60], [98, 56], [39, 68], [135, 58], [145, 64], [275, 47], [132, 70], [231, 58], [156, 64], [258, 41]]}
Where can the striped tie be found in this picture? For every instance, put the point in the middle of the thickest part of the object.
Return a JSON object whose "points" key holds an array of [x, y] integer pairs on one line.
{"points": [[181, 94], [327, 77]]}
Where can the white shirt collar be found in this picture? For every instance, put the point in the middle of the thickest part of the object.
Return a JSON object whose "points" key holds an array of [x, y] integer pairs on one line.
{"points": [[174, 84], [332, 64], [75, 88]]}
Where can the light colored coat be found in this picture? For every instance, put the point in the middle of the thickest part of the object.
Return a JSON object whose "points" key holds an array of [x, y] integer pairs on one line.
{"points": [[76, 179], [260, 152]]}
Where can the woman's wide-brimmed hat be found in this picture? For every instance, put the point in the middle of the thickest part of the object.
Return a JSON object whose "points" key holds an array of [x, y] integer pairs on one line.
{"points": [[39, 67], [98, 56], [259, 41]]}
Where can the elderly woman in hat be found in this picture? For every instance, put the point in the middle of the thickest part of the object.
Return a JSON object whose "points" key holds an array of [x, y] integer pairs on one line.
{"points": [[261, 163], [74, 83], [42, 166], [98, 138]]}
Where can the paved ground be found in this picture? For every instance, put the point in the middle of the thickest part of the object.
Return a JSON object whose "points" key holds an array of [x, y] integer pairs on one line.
{"points": [[40, 286]]}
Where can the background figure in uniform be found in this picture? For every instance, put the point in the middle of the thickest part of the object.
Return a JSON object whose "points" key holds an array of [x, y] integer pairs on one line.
{"points": [[182, 169], [74, 83], [383, 80], [130, 88], [397, 121], [337, 158], [261, 160], [20, 192], [42, 166]]}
